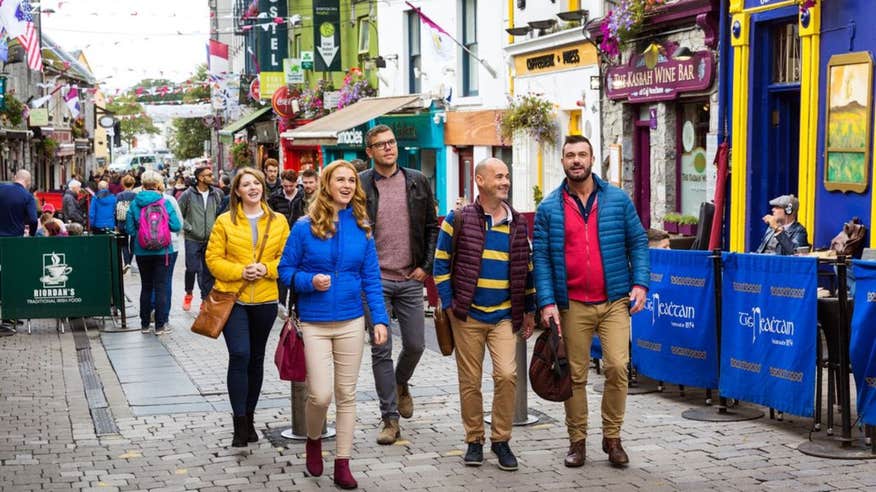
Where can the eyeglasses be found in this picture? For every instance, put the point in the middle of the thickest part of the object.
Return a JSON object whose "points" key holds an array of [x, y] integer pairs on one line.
{"points": [[386, 144]]}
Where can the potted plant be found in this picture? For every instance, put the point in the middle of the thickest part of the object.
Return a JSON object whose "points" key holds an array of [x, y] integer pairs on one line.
{"points": [[532, 114], [687, 225], [240, 154], [670, 223], [13, 113], [537, 195]]}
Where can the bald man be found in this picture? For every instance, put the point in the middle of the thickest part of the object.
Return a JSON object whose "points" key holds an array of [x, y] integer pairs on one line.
{"points": [[17, 206], [489, 295]]}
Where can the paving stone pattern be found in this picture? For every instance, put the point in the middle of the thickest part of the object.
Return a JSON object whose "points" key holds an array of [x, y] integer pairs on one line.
{"points": [[167, 397]]}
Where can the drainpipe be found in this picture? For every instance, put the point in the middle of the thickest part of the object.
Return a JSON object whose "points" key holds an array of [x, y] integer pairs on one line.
{"points": [[723, 70]]}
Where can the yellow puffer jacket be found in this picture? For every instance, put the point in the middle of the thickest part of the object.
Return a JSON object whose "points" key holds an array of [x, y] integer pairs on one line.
{"points": [[230, 249]]}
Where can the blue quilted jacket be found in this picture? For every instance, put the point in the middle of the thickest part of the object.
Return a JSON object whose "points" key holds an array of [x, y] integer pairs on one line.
{"points": [[349, 257], [622, 241]]}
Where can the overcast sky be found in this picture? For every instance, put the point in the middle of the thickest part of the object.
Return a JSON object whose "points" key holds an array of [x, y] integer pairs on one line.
{"points": [[126, 41]]}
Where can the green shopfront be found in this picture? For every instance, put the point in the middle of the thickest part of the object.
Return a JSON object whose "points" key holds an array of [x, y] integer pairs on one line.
{"points": [[351, 145], [421, 147]]}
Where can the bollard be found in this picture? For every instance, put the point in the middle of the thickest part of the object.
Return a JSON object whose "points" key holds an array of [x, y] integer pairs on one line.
{"points": [[298, 431], [521, 410]]}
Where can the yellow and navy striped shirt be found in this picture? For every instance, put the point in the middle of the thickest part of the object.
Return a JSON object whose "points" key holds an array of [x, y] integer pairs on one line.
{"points": [[492, 297]]}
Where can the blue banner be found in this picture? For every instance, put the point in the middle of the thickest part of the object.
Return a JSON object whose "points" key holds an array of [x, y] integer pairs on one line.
{"points": [[674, 336], [862, 344], [768, 331]]}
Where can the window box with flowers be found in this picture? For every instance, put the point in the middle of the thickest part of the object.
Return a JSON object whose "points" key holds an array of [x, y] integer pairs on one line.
{"points": [[687, 225], [670, 222], [312, 99], [355, 87], [530, 114], [13, 113], [622, 23]]}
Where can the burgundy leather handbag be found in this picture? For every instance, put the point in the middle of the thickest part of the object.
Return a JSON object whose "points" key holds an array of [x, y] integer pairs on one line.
{"points": [[289, 356]]}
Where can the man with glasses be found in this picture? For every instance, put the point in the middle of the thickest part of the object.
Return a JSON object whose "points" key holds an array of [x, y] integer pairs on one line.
{"points": [[402, 212], [199, 205]]}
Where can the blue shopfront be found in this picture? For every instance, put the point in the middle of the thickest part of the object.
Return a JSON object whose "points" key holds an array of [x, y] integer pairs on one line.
{"points": [[351, 145], [421, 147]]}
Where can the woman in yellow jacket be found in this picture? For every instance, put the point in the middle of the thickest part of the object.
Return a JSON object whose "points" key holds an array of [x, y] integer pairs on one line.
{"points": [[232, 254]]}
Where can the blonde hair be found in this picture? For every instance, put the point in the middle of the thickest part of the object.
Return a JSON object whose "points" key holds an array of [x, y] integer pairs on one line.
{"points": [[234, 201], [321, 211]]}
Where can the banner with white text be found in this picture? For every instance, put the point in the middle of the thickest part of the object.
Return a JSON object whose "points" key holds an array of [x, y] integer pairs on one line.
{"points": [[674, 337], [768, 333], [862, 344]]}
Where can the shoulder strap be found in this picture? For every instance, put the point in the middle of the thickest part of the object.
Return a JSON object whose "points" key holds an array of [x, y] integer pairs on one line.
{"points": [[457, 230]]}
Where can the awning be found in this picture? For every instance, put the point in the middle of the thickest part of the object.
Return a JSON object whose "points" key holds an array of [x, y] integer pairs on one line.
{"points": [[324, 131], [230, 129]]}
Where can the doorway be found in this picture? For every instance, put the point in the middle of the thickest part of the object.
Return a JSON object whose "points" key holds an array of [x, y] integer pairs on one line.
{"points": [[466, 174], [642, 172]]}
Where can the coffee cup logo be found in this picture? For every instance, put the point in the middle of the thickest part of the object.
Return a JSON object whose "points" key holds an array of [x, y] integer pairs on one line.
{"points": [[55, 270]]}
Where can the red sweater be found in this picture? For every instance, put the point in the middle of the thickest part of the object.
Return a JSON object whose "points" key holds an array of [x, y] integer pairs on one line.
{"points": [[584, 273]]}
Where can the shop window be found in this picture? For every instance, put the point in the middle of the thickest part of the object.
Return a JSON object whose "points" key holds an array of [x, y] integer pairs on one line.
{"points": [[428, 158], [470, 41], [413, 53], [786, 53], [692, 165], [296, 46], [364, 35]]}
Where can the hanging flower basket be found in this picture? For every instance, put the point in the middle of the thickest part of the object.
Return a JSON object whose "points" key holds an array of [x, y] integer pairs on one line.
{"points": [[13, 113], [530, 114], [355, 87], [623, 23], [240, 154]]}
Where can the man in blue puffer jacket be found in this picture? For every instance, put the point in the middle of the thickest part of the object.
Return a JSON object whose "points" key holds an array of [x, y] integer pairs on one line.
{"points": [[102, 213], [591, 270]]}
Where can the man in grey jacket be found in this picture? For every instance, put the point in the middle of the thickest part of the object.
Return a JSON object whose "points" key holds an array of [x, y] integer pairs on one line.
{"points": [[70, 203], [200, 205]]}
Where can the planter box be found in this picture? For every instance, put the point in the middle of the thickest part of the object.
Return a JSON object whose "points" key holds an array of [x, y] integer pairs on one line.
{"points": [[670, 227], [687, 229]]}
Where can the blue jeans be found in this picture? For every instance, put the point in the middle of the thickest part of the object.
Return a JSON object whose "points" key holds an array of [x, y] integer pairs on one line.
{"points": [[171, 260], [196, 267], [246, 335], [153, 280]]}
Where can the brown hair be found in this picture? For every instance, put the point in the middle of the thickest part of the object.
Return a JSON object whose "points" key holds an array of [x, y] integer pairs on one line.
{"points": [[289, 175], [573, 139], [234, 201], [309, 173], [376, 130], [655, 235], [128, 181], [321, 212], [271, 162], [52, 228]]}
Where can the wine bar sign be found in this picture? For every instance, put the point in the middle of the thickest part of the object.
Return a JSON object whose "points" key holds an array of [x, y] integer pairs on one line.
{"points": [[665, 81]]}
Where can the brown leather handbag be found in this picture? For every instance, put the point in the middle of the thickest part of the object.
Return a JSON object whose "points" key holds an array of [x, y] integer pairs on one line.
{"points": [[549, 372], [443, 330], [216, 308]]}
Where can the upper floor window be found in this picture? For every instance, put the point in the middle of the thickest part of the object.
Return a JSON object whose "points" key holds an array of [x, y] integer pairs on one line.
{"points": [[469, 23], [413, 53]]}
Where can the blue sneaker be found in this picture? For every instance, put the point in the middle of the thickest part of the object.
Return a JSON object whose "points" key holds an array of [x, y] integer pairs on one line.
{"points": [[475, 454], [507, 461]]}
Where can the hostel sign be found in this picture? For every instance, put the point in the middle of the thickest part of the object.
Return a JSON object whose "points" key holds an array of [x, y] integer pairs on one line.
{"points": [[273, 43], [665, 81]]}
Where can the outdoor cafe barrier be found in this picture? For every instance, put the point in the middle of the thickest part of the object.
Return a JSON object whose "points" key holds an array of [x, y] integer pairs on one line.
{"points": [[60, 277], [747, 325]]}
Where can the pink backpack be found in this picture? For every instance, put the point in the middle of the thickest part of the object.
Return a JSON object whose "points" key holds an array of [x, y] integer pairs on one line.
{"points": [[154, 231]]}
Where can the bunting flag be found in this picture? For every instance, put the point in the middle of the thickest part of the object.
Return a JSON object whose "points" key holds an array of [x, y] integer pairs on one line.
{"points": [[16, 20], [218, 57], [72, 100]]}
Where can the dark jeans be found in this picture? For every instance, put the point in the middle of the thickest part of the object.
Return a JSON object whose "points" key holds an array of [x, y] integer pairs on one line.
{"points": [[125, 245], [405, 298], [246, 334], [171, 259], [196, 267], [153, 280]]}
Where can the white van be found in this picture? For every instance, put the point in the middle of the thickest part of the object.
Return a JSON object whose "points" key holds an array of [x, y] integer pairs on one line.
{"points": [[130, 162]]}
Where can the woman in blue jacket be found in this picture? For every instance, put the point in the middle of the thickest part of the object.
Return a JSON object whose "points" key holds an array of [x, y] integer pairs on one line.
{"points": [[330, 260]]}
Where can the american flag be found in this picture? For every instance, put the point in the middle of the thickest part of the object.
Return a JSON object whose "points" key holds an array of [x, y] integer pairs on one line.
{"points": [[16, 19]]}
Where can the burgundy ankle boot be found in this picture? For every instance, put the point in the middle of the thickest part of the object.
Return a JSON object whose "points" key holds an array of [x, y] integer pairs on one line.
{"points": [[313, 449], [343, 478]]}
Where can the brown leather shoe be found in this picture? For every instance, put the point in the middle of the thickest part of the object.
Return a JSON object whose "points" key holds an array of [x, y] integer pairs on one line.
{"points": [[577, 453], [616, 454], [389, 433], [405, 401]]}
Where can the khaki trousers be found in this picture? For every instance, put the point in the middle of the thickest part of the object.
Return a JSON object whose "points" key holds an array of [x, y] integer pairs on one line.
{"points": [[471, 337], [611, 321], [333, 351]]}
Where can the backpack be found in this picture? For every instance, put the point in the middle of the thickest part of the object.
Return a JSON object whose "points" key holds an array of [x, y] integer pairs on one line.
{"points": [[122, 207], [850, 240], [154, 230]]}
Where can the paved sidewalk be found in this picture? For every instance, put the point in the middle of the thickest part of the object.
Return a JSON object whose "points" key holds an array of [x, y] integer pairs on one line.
{"points": [[166, 399]]}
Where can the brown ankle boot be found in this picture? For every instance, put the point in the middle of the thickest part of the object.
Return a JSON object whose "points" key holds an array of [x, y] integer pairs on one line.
{"points": [[343, 476], [390, 432], [616, 454], [405, 401], [313, 450], [577, 453]]}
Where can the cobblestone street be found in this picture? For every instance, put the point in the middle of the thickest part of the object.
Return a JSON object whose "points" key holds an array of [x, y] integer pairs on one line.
{"points": [[152, 414]]}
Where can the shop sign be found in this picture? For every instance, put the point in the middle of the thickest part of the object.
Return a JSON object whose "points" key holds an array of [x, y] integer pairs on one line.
{"points": [[669, 78], [354, 137], [293, 71], [306, 60], [750, 4], [269, 82], [272, 37], [254, 90], [327, 35], [552, 60], [284, 105], [38, 117], [330, 99]]}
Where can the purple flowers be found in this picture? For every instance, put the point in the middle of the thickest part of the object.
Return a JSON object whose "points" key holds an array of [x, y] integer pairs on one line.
{"points": [[355, 87]]}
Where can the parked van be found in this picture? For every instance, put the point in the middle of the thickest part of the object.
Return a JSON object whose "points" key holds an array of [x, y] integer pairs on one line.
{"points": [[130, 162]]}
